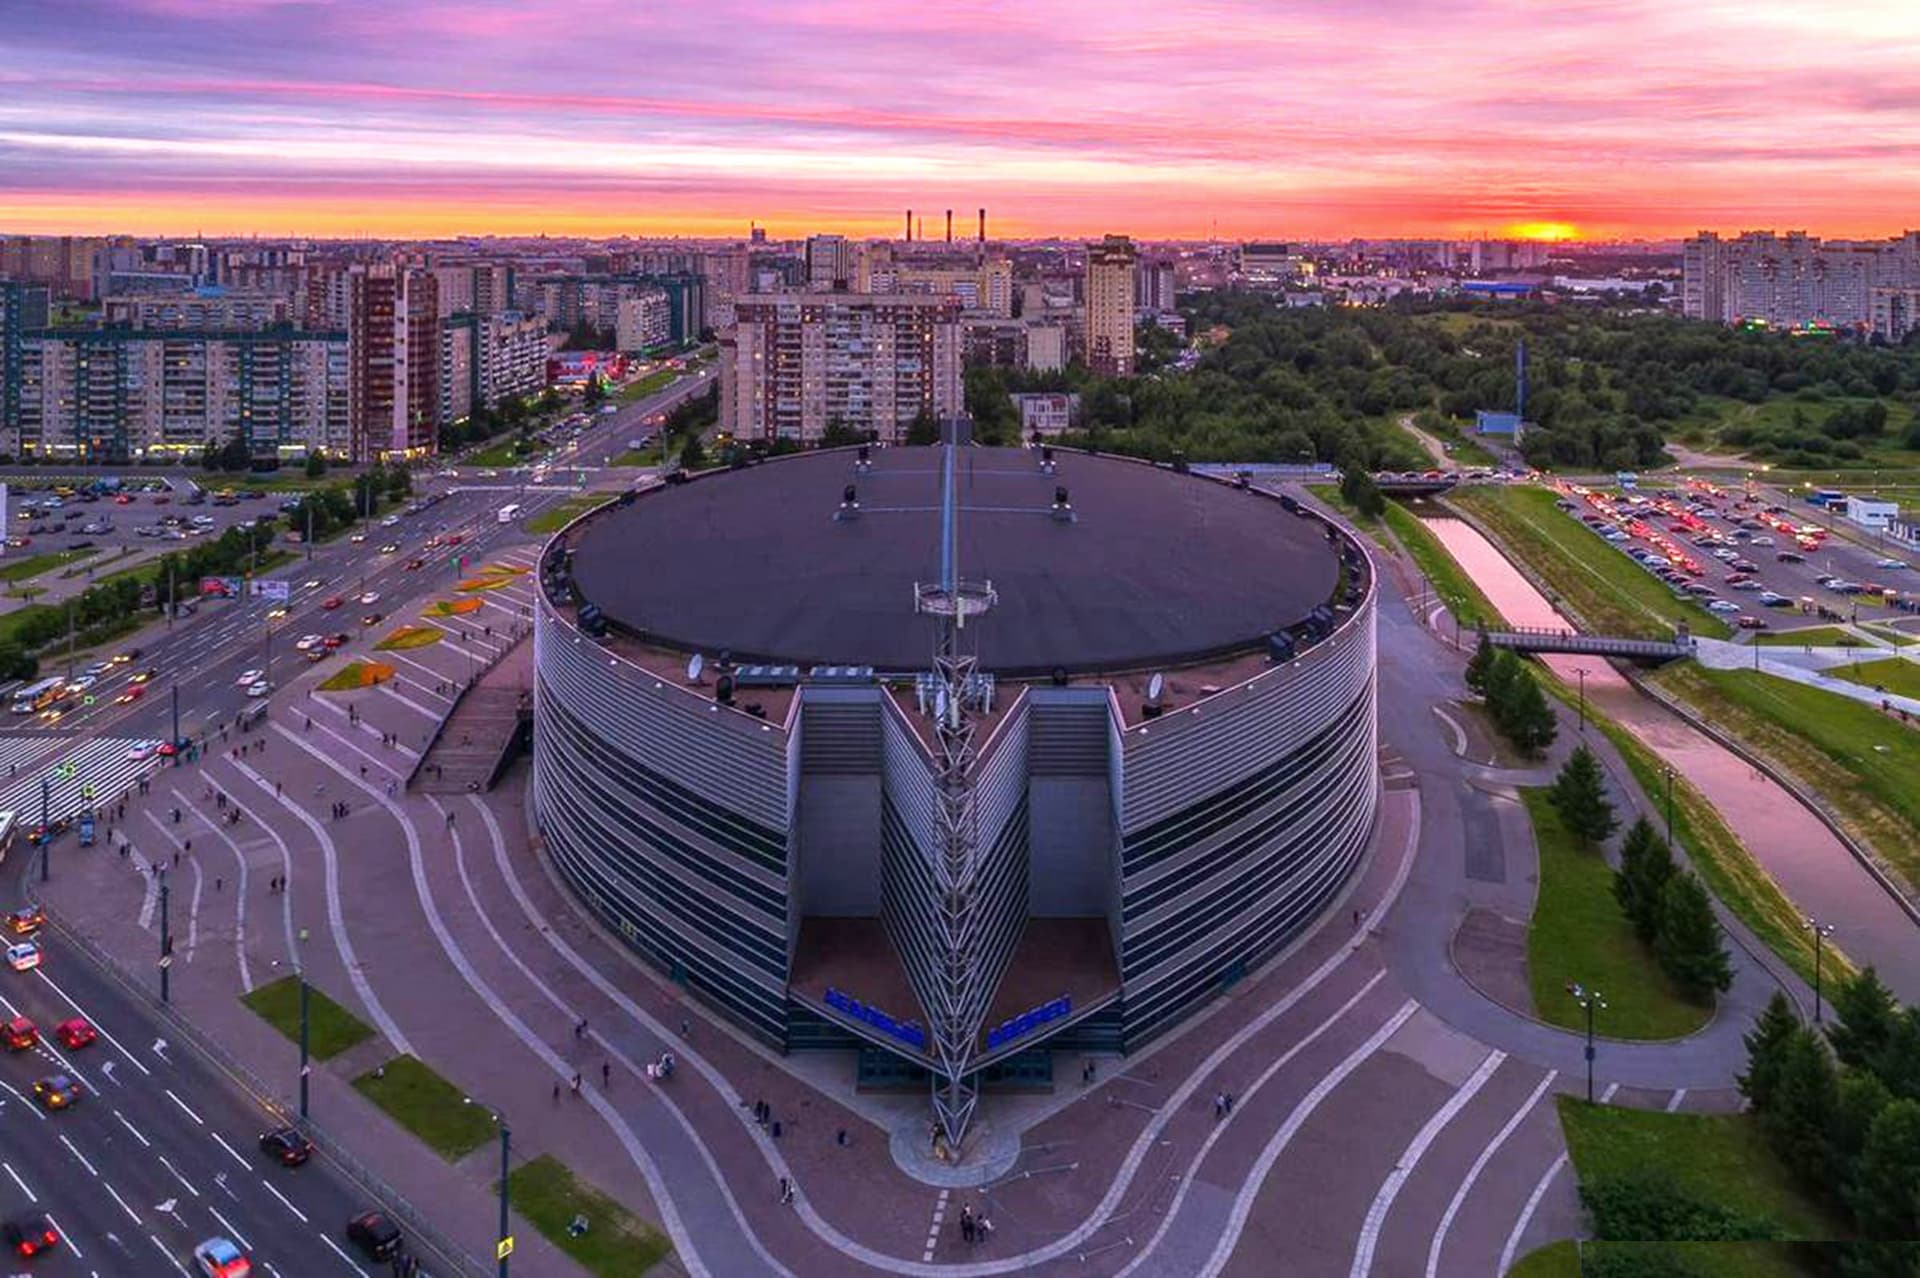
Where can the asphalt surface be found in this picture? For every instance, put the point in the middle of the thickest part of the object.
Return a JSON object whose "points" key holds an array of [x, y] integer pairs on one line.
{"points": [[161, 1151]]}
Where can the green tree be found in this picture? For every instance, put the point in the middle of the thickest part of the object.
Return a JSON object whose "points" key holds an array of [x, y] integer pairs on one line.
{"points": [[1864, 1013], [1478, 665], [693, 455], [1689, 944], [316, 464], [399, 483], [235, 455], [923, 430], [1885, 1194], [1859, 1101], [1898, 1060], [1519, 709], [1766, 1046], [1360, 492], [596, 390], [1646, 863], [1804, 1100], [1579, 794]]}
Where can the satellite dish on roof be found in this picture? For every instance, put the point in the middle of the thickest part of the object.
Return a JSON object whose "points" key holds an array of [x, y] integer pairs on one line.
{"points": [[695, 664], [1155, 686]]}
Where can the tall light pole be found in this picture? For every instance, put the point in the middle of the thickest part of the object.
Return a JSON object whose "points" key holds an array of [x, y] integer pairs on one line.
{"points": [[1666, 774], [305, 1069], [166, 938], [1821, 931], [1591, 1001], [1582, 672], [503, 1244], [46, 834]]}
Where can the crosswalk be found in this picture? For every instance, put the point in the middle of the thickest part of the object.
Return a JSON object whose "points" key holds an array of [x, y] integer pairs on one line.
{"points": [[79, 774]]}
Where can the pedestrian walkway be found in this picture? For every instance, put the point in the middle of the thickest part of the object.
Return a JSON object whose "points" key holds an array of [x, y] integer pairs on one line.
{"points": [[471, 747], [78, 774], [1809, 666]]}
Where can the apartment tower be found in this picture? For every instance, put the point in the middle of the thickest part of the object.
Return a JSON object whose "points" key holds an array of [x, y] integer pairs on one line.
{"points": [[1109, 294]]}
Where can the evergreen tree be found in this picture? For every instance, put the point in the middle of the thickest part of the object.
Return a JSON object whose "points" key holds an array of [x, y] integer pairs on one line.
{"points": [[1361, 493], [1898, 1060], [1766, 1045], [1689, 944], [692, 455], [1864, 1012], [1885, 1193], [1523, 714], [924, 429], [1805, 1099], [1479, 666], [316, 465], [1579, 794], [1858, 1103], [1646, 863]]}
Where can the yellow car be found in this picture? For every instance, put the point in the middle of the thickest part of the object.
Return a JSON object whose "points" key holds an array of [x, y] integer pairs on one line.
{"points": [[275, 614]]}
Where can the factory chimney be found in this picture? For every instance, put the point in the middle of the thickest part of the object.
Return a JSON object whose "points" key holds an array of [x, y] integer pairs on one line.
{"points": [[949, 226], [909, 225], [983, 226]]}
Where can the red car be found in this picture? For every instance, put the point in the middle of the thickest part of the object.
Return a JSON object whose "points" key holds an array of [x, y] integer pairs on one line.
{"points": [[331, 602], [162, 500], [76, 1033], [28, 1236], [454, 539], [334, 641], [123, 500], [19, 1034]]}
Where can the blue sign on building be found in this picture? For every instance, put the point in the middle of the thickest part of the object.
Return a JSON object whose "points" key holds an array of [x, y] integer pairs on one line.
{"points": [[1008, 1030], [906, 1031]]}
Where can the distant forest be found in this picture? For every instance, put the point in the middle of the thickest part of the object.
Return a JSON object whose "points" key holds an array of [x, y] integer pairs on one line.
{"points": [[1607, 386]]}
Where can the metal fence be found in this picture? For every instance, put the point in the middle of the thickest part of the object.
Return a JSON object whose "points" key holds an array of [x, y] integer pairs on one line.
{"points": [[450, 1261]]}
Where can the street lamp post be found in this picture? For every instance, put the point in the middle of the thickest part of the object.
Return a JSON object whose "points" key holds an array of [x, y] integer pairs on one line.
{"points": [[176, 723], [1821, 931], [166, 938], [46, 834], [1582, 672], [1591, 1001], [503, 1243], [304, 1070], [1666, 774]]}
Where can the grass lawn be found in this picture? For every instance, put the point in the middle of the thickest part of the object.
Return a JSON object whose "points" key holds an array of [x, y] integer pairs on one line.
{"points": [[1718, 1158], [407, 637], [34, 565], [428, 1106], [453, 607], [1579, 933], [1889, 674], [1810, 636], [553, 519], [331, 1028], [503, 453], [1555, 1260], [1719, 857], [1330, 494], [1464, 599], [617, 1243], [638, 457], [356, 675], [1858, 759], [1776, 412], [1898, 638], [1608, 591], [653, 382]]}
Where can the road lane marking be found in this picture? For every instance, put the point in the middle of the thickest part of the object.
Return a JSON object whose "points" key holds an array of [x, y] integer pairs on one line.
{"points": [[244, 1164], [23, 1100], [75, 1151], [237, 1235], [144, 1142], [183, 1107], [131, 1214], [1410, 1159], [176, 1174], [1533, 1199], [343, 1255], [1679, 1095], [31, 1196], [1480, 1165], [66, 1237], [174, 1260], [283, 1201], [239, 898], [93, 1021]]}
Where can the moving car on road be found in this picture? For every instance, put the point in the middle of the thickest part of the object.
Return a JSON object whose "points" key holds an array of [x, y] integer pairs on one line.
{"points": [[249, 677], [26, 920], [19, 1034], [56, 1091], [308, 643], [260, 689], [23, 956], [286, 1146], [331, 602], [377, 1237], [219, 1258], [28, 1236], [370, 597], [75, 1033], [373, 618]]}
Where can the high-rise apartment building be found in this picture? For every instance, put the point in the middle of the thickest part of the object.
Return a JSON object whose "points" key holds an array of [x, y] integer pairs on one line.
{"points": [[1785, 281], [1896, 313], [214, 309], [393, 344], [22, 307], [829, 262], [643, 320], [1109, 304], [796, 363], [1153, 286], [117, 395]]}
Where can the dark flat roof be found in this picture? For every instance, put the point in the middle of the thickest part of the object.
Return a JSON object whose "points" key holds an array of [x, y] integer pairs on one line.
{"points": [[1156, 568]]}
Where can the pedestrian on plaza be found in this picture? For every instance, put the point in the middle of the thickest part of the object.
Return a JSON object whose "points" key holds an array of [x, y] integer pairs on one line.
{"points": [[187, 847], [1229, 1098], [218, 882], [606, 1075], [840, 1138], [775, 1129], [966, 1224], [576, 1082], [1356, 920], [276, 789], [1220, 1105], [686, 1028], [309, 723], [176, 858], [984, 1226], [786, 1190], [556, 1093]]}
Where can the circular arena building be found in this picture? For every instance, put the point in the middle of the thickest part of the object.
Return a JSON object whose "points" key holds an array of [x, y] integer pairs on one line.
{"points": [[1139, 761]]}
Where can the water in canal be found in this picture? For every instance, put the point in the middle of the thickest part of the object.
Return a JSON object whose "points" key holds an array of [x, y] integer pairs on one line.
{"points": [[1812, 866]]}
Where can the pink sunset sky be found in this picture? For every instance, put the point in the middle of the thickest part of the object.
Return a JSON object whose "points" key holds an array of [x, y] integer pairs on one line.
{"points": [[1166, 119]]}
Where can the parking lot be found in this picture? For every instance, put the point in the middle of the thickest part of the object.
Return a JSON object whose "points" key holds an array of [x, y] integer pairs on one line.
{"points": [[1749, 556], [51, 514]]}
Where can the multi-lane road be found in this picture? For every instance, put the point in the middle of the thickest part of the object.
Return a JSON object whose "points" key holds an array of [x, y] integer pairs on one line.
{"points": [[159, 1153]]}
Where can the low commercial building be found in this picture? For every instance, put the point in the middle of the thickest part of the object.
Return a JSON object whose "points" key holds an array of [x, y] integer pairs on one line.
{"points": [[1872, 512], [1046, 412]]}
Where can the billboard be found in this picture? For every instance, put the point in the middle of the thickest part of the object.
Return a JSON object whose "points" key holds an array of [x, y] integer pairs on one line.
{"points": [[270, 588]]}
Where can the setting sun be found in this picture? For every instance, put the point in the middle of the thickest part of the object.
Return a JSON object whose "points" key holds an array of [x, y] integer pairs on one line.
{"points": [[1543, 231]]}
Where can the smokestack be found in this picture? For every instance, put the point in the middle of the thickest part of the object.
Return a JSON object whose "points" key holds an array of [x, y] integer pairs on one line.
{"points": [[949, 226], [909, 225], [983, 226], [920, 228]]}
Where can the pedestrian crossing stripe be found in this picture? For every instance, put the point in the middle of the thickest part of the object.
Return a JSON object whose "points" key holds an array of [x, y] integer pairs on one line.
{"points": [[100, 767]]}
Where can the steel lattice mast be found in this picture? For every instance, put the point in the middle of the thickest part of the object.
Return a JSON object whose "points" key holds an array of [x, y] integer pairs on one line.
{"points": [[957, 1001]]}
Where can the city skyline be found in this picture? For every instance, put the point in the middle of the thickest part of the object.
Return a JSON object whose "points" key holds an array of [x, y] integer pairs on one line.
{"points": [[1602, 120]]}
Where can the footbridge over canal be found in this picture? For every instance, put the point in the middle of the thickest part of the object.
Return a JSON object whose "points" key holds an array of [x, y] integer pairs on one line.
{"points": [[1569, 641]]}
